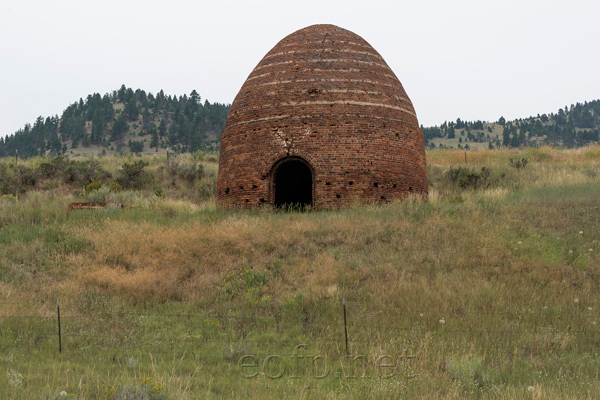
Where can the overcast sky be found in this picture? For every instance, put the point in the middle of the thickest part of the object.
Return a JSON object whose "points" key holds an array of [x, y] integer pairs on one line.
{"points": [[468, 59]]}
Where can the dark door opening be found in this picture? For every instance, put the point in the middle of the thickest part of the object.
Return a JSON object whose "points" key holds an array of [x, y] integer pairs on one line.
{"points": [[293, 184]]}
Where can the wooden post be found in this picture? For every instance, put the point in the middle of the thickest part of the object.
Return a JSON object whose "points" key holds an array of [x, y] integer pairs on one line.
{"points": [[345, 325], [59, 335]]}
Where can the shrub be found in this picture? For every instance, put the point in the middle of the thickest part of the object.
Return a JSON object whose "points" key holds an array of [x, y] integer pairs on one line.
{"points": [[468, 371], [15, 379], [592, 172], [100, 195], [109, 186], [187, 172], [247, 283], [8, 198], [94, 185], [133, 175], [84, 172], [518, 164], [207, 188], [238, 282], [6, 182], [485, 173], [467, 178], [148, 389], [211, 158], [199, 155], [47, 170], [454, 173], [15, 179], [56, 394], [115, 187]]}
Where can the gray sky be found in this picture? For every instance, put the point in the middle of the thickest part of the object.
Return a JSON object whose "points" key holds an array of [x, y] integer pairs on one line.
{"points": [[463, 58]]}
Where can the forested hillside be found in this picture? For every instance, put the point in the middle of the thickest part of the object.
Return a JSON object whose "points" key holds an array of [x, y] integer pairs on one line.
{"points": [[574, 126], [124, 120]]}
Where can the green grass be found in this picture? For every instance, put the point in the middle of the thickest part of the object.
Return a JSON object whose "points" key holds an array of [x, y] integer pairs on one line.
{"points": [[487, 293]]}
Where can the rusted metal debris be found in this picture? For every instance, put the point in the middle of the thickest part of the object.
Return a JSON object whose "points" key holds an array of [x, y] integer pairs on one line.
{"points": [[86, 205], [93, 205]]}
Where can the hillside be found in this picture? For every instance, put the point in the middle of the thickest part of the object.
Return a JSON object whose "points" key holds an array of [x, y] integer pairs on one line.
{"points": [[123, 121], [574, 126]]}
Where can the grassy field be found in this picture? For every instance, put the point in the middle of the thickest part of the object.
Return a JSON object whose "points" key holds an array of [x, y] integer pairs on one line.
{"points": [[487, 290]]}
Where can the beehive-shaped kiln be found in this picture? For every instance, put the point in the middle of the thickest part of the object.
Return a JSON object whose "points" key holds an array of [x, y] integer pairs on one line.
{"points": [[321, 121]]}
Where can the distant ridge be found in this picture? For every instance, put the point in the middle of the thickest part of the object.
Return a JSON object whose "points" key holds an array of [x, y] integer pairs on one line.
{"points": [[123, 121], [574, 126]]}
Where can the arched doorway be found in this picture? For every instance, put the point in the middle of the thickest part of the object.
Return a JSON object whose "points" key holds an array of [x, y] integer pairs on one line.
{"points": [[293, 183]]}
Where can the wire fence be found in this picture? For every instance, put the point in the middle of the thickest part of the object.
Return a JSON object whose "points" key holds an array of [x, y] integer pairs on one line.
{"points": [[355, 329]]}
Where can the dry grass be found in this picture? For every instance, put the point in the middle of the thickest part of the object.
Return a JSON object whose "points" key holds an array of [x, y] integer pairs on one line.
{"points": [[507, 262], [177, 253]]}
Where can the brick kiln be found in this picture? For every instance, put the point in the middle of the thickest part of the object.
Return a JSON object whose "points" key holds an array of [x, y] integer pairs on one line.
{"points": [[321, 121]]}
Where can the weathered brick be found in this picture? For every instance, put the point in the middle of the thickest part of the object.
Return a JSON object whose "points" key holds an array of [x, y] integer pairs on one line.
{"points": [[323, 97]]}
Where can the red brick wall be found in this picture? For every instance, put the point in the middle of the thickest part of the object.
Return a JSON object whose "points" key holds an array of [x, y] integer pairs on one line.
{"points": [[325, 95]]}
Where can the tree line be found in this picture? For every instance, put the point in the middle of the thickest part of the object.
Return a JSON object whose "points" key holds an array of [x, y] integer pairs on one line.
{"points": [[572, 126], [136, 121]]}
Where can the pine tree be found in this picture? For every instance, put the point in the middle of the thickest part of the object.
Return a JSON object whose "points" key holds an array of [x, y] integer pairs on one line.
{"points": [[154, 141], [131, 109], [119, 128], [506, 136], [162, 128], [451, 133]]}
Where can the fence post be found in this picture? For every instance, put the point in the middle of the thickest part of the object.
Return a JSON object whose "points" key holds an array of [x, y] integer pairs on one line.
{"points": [[345, 325], [59, 336]]}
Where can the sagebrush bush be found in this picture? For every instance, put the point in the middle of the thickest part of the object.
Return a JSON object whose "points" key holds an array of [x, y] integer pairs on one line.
{"points": [[468, 371], [83, 172], [15, 179], [134, 176], [100, 195], [148, 389], [592, 172], [467, 178], [518, 163], [189, 172]]}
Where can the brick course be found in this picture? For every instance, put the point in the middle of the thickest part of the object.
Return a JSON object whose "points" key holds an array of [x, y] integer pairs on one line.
{"points": [[325, 96]]}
